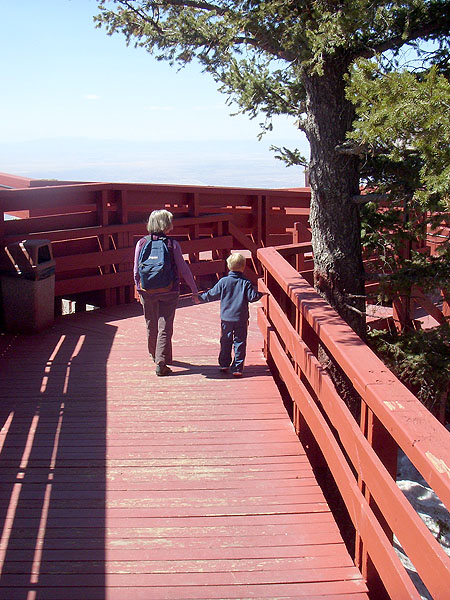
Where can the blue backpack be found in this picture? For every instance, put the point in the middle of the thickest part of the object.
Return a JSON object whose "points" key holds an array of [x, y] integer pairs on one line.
{"points": [[156, 267]]}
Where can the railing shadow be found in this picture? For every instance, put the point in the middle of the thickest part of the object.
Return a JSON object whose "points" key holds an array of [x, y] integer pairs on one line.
{"points": [[53, 461]]}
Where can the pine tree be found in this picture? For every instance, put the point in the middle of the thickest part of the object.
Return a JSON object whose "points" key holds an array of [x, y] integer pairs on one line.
{"points": [[402, 134], [291, 57]]}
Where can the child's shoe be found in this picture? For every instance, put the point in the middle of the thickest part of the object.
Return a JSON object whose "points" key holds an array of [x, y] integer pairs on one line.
{"points": [[237, 374]]}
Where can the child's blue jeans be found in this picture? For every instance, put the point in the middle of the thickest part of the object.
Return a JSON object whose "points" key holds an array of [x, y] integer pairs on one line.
{"points": [[233, 335]]}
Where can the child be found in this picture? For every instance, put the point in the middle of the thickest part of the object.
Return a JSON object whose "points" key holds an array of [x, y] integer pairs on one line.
{"points": [[235, 292]]}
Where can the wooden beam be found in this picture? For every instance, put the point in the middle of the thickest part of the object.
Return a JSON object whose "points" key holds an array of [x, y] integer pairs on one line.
{"points": [[77, 285], [93, 259]]}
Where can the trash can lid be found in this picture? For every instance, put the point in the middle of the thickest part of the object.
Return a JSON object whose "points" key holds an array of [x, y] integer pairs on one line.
{"points": [[26, 256]]}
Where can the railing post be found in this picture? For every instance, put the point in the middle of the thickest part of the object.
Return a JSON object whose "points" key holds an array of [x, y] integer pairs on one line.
{"points": [[217, 232], [302, 429], [194, 230], [300, 234], [402, 304], [443, 405], [193, 201], [401, 312], [223, 228], [124, 240], [103, 239], [259, 227], [387, 451], [265, 211], [266, 310], [2, 225], [445, 303]]}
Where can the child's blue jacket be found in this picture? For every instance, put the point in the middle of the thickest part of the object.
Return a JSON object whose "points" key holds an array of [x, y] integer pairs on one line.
{"points": [[235, 292]]}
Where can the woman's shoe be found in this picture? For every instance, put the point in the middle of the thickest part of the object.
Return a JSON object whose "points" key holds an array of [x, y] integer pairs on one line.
{"points": [[163, 370]]}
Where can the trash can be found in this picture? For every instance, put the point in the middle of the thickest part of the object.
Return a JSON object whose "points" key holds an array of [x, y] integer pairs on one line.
{"points": [[28, 287]]}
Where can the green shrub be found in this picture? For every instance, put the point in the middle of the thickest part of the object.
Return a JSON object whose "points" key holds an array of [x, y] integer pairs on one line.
{"points": [[420, 359]]}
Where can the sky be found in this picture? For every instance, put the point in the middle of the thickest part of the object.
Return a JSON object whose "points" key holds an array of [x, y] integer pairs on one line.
{"points": [[79, 104]]}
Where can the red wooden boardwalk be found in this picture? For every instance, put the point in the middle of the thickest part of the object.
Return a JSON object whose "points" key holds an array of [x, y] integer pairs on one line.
{"points": [[117, 485]]}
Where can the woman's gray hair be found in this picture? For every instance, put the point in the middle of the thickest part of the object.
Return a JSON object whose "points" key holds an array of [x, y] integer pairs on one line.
{"points": [[159, 221]]}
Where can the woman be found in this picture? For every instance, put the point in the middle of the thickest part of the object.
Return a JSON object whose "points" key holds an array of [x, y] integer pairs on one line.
{"points": [[159, 308]]}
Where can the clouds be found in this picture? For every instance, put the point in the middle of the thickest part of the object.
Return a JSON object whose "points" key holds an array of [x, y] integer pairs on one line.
{"points": [[91, 97]]}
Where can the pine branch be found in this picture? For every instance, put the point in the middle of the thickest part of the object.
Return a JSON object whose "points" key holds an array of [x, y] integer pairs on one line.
{"points": [[182, 3], [434, 25], [359, 312], [370, 198], [356, 296], [264, 45]]}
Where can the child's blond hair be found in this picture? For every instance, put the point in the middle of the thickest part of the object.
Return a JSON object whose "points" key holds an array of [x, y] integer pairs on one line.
{"points": [[236, 262]]}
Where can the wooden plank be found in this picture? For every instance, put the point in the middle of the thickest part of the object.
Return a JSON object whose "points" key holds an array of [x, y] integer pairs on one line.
{"points": [[93, 259], [81, 565], [420, 298], [23, 227], [137, 229], [167, 565], [207, 267], [299, 201], [280, 220], [273, 592], [207, 243], [343, 577], [55, 197], [314, 555], [293, 465], [94, 282], [242, 239]]}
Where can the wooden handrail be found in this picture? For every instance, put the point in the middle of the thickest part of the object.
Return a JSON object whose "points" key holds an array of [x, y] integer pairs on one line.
{"points": [[292, 344], [93, 228]]}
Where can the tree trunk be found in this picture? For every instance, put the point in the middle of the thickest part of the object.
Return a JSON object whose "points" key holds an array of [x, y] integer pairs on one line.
{"points": [[334, 218]]}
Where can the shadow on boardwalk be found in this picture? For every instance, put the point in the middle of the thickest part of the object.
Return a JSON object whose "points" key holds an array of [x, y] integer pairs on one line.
{"points": [[53, 414]]}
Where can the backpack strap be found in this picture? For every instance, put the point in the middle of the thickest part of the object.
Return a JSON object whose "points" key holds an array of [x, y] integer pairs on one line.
{"points": [[170, 245], [147, 238]]}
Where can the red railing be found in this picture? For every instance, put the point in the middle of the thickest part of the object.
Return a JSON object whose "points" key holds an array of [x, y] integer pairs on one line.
{"points": [[93, 228], [299, 329]]}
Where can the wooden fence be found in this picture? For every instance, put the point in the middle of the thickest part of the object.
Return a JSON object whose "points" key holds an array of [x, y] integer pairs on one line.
{"points": [[299, 330], [93, 228]]}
